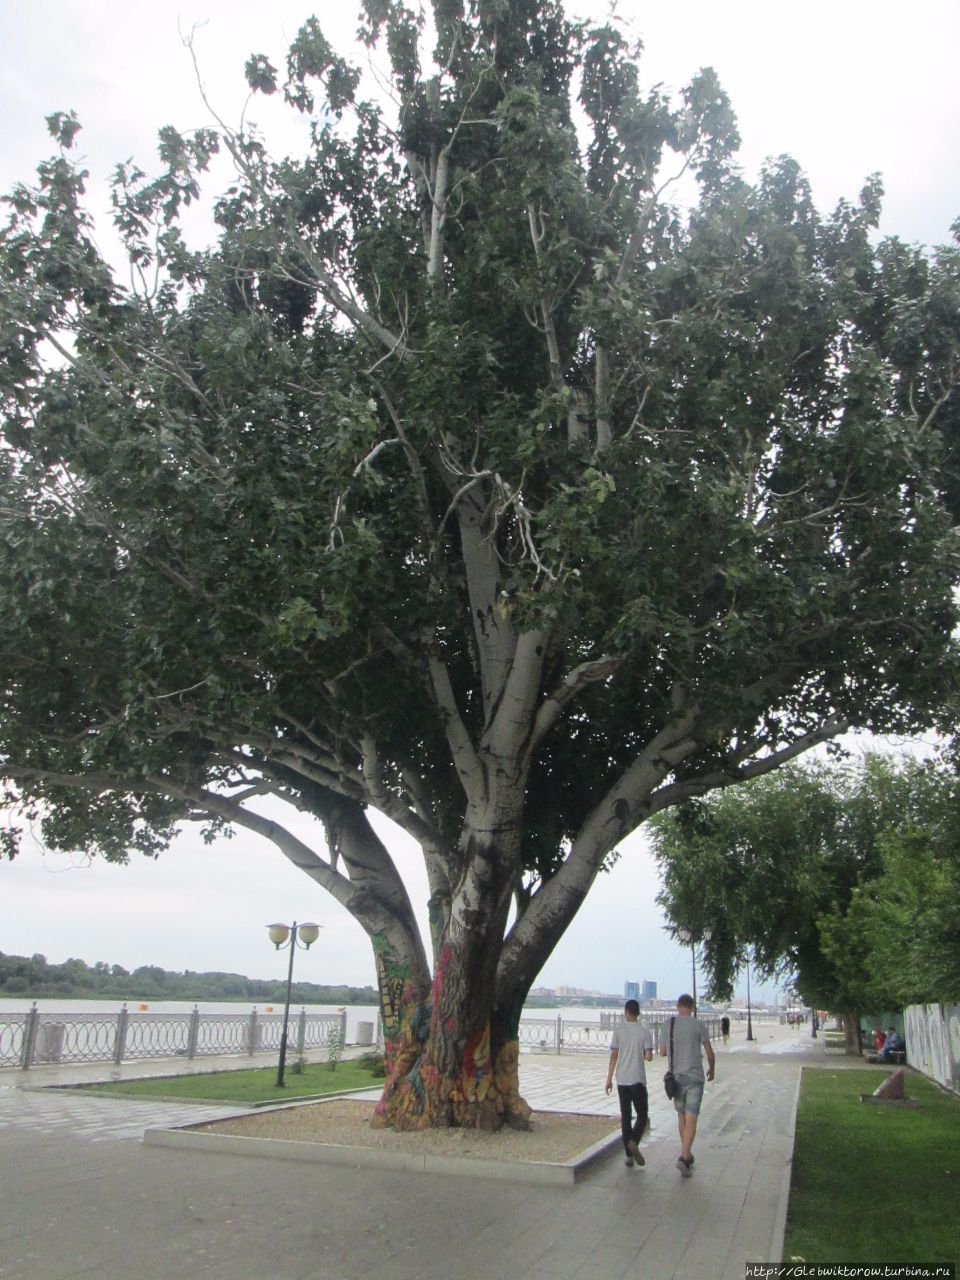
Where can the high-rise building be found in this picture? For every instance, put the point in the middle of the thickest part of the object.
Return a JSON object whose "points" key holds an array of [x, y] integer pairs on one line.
{"points": [[631, 991], [649, 991]]}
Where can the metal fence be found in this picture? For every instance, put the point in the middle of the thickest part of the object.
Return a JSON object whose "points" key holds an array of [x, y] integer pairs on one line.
{"points": [[35, 1039], [571, 1035]]}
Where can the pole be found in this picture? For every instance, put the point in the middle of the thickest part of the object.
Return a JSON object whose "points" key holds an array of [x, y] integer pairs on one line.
{"points": [[286, 1008], [30, 1037], [693, 965], [749, 1012], [123, 1019]]}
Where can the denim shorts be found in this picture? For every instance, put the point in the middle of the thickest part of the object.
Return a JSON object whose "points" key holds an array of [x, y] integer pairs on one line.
{"points": [[689, 1093]]}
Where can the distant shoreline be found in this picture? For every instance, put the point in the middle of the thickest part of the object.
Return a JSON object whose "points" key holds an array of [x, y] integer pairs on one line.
{"points": [[180, 997], [323, 995], [35, 978]]}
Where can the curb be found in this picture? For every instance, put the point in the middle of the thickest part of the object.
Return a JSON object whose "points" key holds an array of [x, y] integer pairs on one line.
{"points": [[101, 1090], [540, 1172], [786, 1180]]}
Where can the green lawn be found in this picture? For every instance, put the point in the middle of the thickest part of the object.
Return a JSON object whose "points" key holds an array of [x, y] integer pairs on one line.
{"points": [[258, 1084], [874, 1184]]}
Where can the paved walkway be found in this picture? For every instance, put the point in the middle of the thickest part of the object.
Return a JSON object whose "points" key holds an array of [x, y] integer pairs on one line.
{"points": [[81, 1196]]}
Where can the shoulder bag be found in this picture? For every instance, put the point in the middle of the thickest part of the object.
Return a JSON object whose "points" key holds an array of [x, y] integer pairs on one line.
{"points": [[669, 1079]]}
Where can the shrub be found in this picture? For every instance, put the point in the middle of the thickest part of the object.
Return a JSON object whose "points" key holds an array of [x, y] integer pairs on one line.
{"points": [[335, 1043], [374, 1062]]}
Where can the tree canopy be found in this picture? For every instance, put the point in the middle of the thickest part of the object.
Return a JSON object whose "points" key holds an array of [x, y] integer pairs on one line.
{"points": [[906, 921], [841, 877], [465, 478]]}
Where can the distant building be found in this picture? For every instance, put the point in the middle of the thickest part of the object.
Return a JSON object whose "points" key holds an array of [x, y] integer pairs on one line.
{"points": [[631, 991], [649, 991]]}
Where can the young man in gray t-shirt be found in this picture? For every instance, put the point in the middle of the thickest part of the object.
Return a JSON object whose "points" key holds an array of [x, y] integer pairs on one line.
{"points": [[689, 1037], [631, 1046]]}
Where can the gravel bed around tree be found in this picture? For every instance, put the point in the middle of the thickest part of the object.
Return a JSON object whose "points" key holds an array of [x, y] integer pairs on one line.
{"points": [[554, 1138]]}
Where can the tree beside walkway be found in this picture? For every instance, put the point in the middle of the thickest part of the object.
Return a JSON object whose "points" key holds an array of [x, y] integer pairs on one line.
{"points": [[466, 480], [842, 877], [906, 920]]}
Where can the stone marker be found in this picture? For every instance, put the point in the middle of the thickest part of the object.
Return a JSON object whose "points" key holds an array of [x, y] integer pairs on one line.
{"points": [[892, 1090], [892, 1087]]}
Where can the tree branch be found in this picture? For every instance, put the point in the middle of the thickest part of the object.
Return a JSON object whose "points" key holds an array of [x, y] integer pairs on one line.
{"points": [[465, 758], [538, 234], [557, 900], [513, 721], [570, 687], [677, 792], [602, 380]]}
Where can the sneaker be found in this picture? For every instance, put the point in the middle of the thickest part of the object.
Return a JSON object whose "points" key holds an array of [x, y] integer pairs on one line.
{"points": [[629, 1162], [685, 1166], [634, 1151]]}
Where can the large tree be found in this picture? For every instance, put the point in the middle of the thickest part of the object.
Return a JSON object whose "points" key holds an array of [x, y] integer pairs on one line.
{"points": [[466, 480]]}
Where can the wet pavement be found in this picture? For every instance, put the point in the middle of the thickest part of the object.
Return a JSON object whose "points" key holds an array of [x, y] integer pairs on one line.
{"points": [[82, 1196]]}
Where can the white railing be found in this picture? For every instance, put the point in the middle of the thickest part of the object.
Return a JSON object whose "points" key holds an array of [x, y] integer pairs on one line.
{"points": [[573, 1035], [37, 1039]]}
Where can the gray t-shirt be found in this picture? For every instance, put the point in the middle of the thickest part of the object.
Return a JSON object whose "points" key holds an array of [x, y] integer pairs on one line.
{"points": [[689, 1034], [630, 1039]]}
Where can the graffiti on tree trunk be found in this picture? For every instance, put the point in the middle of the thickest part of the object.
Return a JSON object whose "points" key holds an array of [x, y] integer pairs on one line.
{"points": [[391, 980], [437, 1074]]}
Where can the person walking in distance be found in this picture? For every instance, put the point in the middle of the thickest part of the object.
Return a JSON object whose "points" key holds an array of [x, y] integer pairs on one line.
{"points": [[689, 1037], [631, 1046]]}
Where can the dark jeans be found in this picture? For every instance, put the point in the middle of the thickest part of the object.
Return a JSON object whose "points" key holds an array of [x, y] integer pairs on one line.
{"points": [[633, 1097]]}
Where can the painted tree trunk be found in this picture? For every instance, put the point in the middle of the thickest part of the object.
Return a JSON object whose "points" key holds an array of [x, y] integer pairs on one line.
{"points": [[453, 1058], [452, 1052]]}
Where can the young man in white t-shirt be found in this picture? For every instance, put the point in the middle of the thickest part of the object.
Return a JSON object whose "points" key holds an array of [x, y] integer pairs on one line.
{"points": [[631, 1046]]}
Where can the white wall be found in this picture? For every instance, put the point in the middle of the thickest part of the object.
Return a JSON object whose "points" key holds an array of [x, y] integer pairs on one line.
{"points": [[932, 1033]]}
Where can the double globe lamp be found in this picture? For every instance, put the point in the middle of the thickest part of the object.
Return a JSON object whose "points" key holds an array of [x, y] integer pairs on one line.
{"points": [[291, 936]]}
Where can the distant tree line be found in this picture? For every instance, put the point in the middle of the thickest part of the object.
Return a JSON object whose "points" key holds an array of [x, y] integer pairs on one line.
{"points": [[34, 978]]}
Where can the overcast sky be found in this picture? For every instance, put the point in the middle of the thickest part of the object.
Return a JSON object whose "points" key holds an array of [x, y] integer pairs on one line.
{"points": [[848, 88]]}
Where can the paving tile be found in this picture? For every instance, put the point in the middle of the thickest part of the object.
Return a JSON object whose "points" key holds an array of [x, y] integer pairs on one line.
{"points": [[88, 1199]]}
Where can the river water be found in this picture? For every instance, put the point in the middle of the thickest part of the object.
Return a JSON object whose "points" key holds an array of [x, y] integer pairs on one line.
{"points": [[356, 1013]]}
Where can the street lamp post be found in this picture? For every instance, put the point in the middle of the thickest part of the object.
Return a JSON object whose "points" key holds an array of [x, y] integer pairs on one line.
{"points": [[687, 936], [705, 936], [284, 935]]}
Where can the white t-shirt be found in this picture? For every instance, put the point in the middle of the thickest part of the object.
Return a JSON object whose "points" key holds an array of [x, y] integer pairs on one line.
{"points": [[631, 1039]]}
